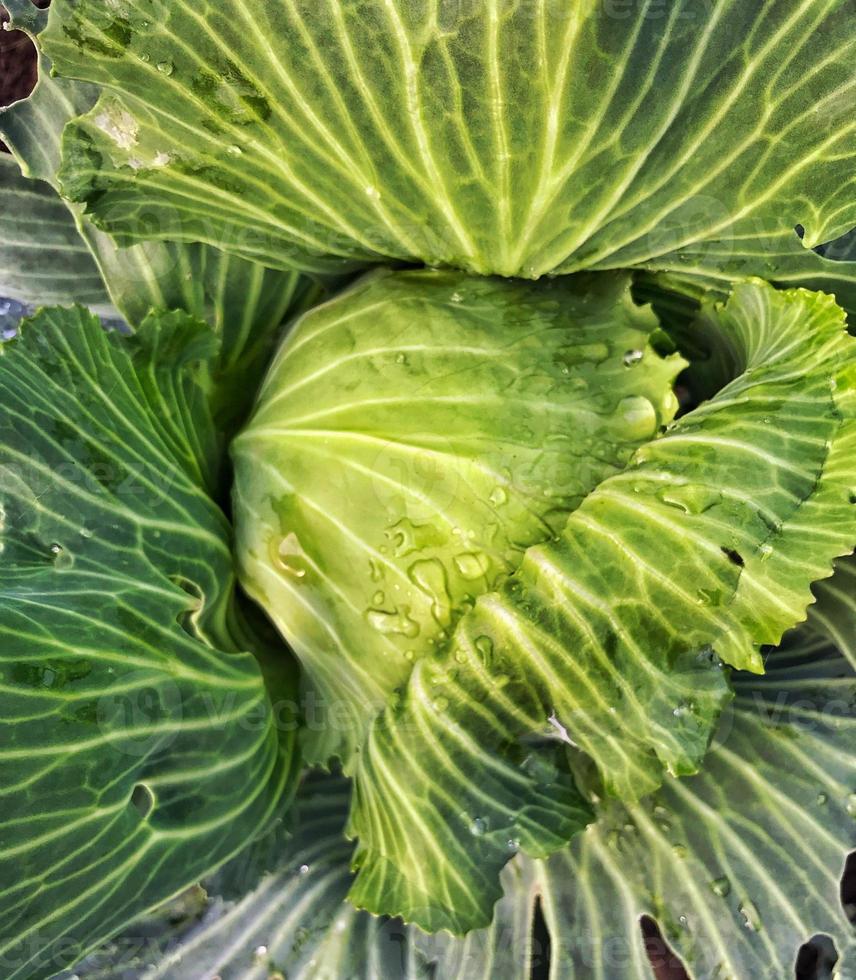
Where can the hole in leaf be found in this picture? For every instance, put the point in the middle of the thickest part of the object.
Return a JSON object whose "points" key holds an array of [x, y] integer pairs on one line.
{"points": [[733, 556], [540, 944], [18, 65], [839, 249], [188, 617], [848, 887], [142, 800], [816, 959], [665, 963]]}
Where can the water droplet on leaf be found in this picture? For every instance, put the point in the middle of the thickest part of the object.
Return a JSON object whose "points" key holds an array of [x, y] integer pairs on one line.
{"points": [[289, 557], [750, 915], [396, 622], [639, 417], [472, 566], [429, 576], [498, 496], [721, 886], [478, 827], [691, 499]]}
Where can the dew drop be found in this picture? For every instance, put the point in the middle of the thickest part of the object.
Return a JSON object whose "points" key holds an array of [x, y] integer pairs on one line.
{"points": [[61, 558], [850, 805], [822, 799], [234, 150], [429, 576], [166, 68], [397, 622], [478, 827], [690, 499], [372, 192], [632, 357], [721, 886], [484, 648], [472, 566], [498, 496], [709, 597], [288, 555], [303, 869], [378, 599], [682, 709], [639, 417], [456, 297], [441, 704], [750, 915]]}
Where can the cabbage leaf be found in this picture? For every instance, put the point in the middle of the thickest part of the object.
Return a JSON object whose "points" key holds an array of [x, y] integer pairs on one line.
{"points": [[137, 740], [518, 138], [413, 437], [607, 642]]}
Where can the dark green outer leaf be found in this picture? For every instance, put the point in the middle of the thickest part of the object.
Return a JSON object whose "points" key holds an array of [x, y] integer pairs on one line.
{"points": [[678, 293], [833, 616], [246, 303], [138, 745], [42, 257], [739, 866]]}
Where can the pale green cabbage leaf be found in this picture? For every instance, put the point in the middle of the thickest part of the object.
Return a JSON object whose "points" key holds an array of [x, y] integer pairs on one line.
{"points": [[413, 437], [606, 642]]}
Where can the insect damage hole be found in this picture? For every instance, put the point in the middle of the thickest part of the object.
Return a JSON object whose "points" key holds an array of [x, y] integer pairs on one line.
{"points": [[188, 618], [848, 887], [142, 800], [733, 556], [816, 959], [540, 944], [665, 963]]}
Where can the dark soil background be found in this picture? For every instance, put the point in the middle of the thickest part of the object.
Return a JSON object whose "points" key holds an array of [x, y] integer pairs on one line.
{"points": [[18, 71]]}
